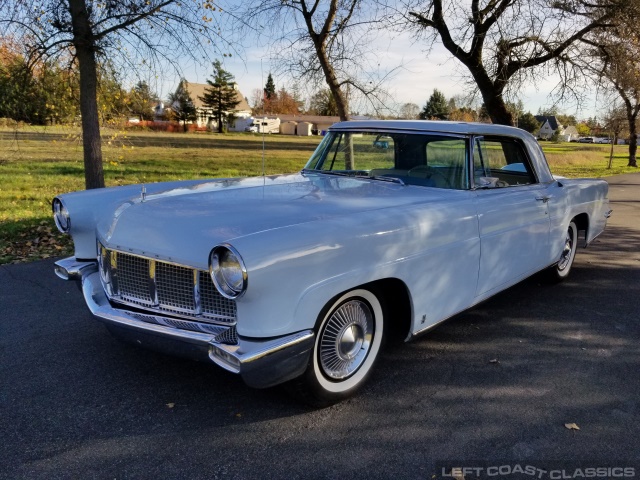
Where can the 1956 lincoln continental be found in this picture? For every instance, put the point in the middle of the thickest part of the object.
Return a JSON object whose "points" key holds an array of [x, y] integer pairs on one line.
{"points": [[296, 279]]}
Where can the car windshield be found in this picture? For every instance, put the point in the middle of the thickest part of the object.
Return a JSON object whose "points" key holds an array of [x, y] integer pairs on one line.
{"points": [[430, 160]]}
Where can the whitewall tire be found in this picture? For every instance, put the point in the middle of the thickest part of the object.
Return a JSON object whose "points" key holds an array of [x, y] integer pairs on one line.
{"points": [[348, 341], [561, 270]]}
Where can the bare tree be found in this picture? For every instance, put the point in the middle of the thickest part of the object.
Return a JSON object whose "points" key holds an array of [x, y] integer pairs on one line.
{"points": [[410, 111], [325, 41], [615, 61], [616, 122], [505, 43], [627, 84], [138, 33]]}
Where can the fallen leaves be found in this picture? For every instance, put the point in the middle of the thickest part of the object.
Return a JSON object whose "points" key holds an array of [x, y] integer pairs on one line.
{"points": [[572, 426], [34, 242]]}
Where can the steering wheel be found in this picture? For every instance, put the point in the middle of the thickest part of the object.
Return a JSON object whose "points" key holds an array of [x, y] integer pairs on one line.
{"points": [[424, 171]]}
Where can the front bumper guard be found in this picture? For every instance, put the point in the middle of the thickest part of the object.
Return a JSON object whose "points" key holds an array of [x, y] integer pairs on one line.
{"points": [[260, 362]]}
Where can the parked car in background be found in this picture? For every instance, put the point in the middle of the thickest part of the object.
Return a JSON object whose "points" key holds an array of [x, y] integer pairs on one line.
{"points": [[391, 228], [585, 140]]}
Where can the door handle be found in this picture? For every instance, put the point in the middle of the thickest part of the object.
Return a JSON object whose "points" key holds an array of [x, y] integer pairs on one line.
{"points": [[543, 198]]}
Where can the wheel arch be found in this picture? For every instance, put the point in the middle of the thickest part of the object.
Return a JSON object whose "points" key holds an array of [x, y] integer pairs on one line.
{"points": [[397, 306], [384, 295], [582, 223], [395, 298]]}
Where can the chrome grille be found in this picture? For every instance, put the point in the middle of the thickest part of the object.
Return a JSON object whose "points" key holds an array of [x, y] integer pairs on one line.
{"points": [[164, 287], [133, 277], [210, 299], [175, 286]]}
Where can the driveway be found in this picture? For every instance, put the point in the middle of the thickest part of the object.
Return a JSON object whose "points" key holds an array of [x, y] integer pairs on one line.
{"points": [[491, 389]]}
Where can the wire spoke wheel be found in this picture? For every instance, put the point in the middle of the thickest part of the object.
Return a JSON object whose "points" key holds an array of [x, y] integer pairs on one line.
{"points": [[346, 339], [350, 331], [567, 251], [558, 272]]}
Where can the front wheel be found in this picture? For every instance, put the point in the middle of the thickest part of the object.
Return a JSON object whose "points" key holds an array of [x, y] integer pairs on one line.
{"points": [[347, 344], [560, 270]]}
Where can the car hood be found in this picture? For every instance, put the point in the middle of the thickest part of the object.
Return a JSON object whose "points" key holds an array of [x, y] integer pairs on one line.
{"points": [[182, 225]]}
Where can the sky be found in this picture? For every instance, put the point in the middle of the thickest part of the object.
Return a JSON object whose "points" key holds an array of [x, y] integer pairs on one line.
{"points": [[415, 77]]}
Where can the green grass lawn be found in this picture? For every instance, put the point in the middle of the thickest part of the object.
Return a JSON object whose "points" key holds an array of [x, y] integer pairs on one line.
{"points": [[38, 163], [576, 160]]}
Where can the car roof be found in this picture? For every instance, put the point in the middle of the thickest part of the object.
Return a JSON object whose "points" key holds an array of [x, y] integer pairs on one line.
{"points": [[460, 128]]}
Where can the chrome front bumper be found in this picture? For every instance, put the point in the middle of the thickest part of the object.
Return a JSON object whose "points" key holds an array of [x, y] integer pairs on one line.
{"points": [[260, 362]]}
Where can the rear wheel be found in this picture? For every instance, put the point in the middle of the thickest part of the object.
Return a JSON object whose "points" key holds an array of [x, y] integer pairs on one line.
{"points": [[560, 270], [347, 344]]}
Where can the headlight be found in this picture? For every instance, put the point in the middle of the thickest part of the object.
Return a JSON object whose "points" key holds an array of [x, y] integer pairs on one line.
{"points": [[61, 215], [227, 271]]}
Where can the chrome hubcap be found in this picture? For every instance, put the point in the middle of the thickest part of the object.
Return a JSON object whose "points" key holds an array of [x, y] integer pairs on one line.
{"points": [[566, 252], [351, 341], [346, 339]]}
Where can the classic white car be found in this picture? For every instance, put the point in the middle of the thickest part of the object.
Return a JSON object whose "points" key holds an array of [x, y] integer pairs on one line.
{"points": [[392, 227]]}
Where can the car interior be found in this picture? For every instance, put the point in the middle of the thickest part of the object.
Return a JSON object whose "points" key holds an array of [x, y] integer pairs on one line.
{"points": [[431, 160]]}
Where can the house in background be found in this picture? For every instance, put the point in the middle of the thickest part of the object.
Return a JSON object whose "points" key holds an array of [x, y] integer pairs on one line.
{"points": [[204, 114], [570, 134], [549, 126]]}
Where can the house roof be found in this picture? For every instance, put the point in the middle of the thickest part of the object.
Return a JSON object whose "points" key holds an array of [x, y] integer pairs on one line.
{"points": [[308, 118], [553, 121], [196, 90]]}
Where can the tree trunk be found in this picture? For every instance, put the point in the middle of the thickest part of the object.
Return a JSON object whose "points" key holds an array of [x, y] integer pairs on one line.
{"points": [[633, 139], [91, 141], [613, 142], [498, 110], [492, 96], [83, 42], [633, 148], [342, 102]]}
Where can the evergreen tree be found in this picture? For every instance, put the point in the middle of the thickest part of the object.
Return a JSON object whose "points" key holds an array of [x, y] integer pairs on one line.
{"points": [[182, 107], [527, 121], [221, 97], [143, 100], [270, 88], [437, 107]]}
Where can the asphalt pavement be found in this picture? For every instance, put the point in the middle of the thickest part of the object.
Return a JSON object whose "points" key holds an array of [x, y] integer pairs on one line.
{"points": [[496, 390]]}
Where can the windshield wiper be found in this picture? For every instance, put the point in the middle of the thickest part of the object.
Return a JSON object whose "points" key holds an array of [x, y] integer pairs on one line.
{"points": [[328, 172], [384, 178], [340, 173]]}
